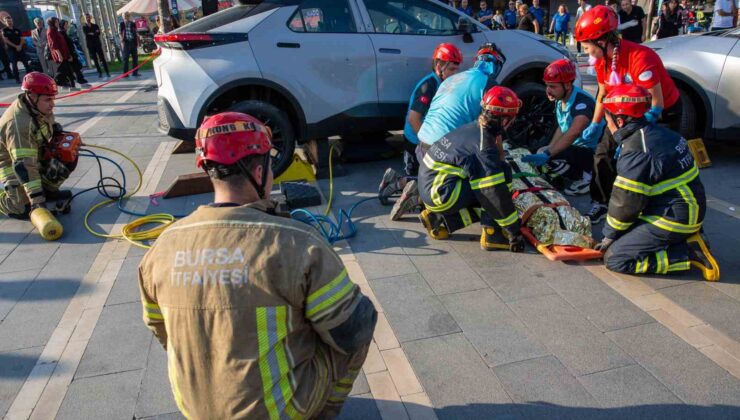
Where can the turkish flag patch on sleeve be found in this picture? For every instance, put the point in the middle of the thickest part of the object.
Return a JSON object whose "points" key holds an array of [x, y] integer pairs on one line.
{"points": [[424, 100]]}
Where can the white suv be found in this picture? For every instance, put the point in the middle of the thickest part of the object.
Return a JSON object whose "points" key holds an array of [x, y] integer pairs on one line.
{"points": [[317, 68]]}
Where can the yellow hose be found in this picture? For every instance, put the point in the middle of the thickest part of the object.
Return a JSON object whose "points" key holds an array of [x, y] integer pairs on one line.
{"points": [[331, 182], [130, 231]]}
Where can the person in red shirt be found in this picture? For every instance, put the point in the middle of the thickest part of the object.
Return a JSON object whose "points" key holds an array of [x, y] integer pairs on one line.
{"points": [[60, 54], [618, 62]]}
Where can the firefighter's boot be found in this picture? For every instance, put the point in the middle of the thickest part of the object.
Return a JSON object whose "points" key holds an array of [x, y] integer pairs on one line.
{"points": [[492, 239], [434, 224], [701, 258]]}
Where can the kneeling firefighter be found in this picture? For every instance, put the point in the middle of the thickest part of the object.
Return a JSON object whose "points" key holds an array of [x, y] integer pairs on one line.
{"points": [[463, 178], [658, 205], [257, 313], [29, 170]]}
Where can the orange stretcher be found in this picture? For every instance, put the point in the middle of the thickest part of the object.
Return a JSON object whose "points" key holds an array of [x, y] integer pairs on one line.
{"points": [[561, 252]]}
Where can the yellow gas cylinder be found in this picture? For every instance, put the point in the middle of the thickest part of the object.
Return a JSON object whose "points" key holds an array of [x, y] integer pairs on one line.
{"points": [[48, 226]]}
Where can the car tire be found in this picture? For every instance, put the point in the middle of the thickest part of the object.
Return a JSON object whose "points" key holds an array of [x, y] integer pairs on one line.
{"points": [[688, 116], [283, 135], [535, 124]]}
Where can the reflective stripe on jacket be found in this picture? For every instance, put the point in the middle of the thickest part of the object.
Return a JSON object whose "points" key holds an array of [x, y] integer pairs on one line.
{"points": [[657, 182]]}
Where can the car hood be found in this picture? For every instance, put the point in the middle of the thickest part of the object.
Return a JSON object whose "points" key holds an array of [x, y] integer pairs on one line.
{"points": [[685, 41]]}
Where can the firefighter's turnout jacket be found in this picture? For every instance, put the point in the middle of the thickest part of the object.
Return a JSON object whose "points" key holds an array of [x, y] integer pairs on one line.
{"points": [[657, 182], [24, 134], [456, 164], [257, 313]]}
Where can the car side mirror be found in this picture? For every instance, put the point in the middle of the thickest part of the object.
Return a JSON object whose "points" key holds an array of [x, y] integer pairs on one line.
{"points": [[466, 28]]}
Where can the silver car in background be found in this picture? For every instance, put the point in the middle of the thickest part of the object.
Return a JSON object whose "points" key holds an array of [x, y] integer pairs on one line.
{"points": [[317, 68], [706, 69]]}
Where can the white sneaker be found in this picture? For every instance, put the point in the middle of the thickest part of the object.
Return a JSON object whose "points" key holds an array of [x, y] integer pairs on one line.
{"points": [[579, 187]]}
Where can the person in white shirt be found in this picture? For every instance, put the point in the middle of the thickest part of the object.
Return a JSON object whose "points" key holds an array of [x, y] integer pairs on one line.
{"points": [[583, 6], [725, 13]]}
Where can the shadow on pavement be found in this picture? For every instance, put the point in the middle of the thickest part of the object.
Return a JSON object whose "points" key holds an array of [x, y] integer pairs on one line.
{"points": [[38, 290], [366, 408], [15, 365]]}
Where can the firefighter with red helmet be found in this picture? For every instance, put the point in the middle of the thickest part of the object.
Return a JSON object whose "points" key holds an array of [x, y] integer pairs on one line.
{"points": [[446, 60], [456, 103], [29, 176], [257, 312], [464, 179], [568, 154], [658, 205], [617, 62]]}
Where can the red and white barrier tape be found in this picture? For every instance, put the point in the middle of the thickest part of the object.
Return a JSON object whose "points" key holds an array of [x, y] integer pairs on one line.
{"points": [[94, 88]]}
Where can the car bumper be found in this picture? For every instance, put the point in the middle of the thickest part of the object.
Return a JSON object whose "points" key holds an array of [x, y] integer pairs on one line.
{"points": [[170, 124]]}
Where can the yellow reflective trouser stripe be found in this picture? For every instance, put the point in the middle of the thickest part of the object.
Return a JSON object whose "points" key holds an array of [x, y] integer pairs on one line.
{"points": [[328, 295], [659, 188], [273, 363], [171, 370], [465, 215], [478, 211], [617, 224], [6, 172], [510, 219], [21, 153], [630, 185], [670, 225], [688, 197], [510, 186], [488, 181], [443, 167], [152, 311], [641, 266], [441, 206], [32, 185], [661, 262], [679, 266]]}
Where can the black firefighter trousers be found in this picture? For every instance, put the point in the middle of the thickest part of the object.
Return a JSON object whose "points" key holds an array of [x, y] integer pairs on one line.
{"points": [[648, 249]]}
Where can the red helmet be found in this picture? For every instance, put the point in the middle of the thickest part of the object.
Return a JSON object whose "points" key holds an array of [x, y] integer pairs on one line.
{"points": [[227, 137], [560, 71], [501, 101], [39, 83], [595, 23], [631, 100], [448, 52], [491, 48]]}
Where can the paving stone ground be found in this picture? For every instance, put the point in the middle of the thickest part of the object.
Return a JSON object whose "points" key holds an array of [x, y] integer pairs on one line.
{"points": [[484, 335]]}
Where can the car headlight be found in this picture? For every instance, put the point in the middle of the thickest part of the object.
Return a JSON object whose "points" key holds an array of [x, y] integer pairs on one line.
{"points": [[559, 48]]}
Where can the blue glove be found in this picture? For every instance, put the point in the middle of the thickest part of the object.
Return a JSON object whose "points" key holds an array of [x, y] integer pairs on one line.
{"points": [[653, 115], [591, 133], [538, 159]]}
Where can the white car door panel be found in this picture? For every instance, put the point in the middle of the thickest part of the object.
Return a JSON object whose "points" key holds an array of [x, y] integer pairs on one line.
{"points": [[315, 52]]}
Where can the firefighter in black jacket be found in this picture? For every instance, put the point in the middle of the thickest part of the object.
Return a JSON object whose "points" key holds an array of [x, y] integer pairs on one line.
{"points": [[463, 178], [658, 204]]}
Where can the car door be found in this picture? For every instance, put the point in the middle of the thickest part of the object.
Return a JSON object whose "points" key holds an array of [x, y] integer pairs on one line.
{"points": [[727, 107], [316, 53], [404, 34]]}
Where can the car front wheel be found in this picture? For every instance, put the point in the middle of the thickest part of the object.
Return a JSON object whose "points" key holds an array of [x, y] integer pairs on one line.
{"points": [[535, 124], [283, 135]]}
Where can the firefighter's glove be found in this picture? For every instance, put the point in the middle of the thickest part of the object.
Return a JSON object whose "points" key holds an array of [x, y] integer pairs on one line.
{"points": [[56, 171], [653, 115], [516, 243], [537, 159], [604, 244], [57, 128]]}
